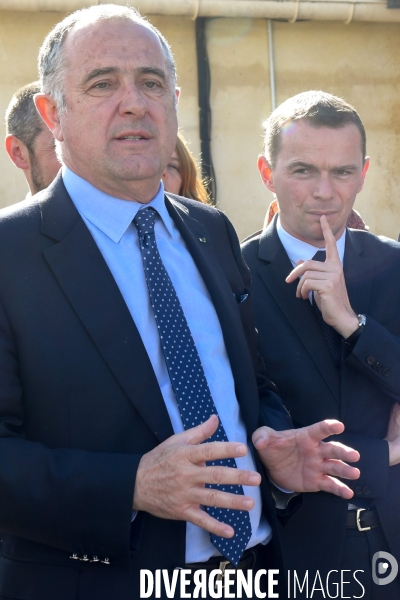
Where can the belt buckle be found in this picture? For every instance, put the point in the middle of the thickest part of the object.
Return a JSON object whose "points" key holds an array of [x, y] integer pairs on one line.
{"points": [[358, 522], [220, 577]]}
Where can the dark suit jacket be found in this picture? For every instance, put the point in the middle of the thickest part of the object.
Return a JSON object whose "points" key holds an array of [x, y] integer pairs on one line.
{"points": [[298, 360], [80, 403]]}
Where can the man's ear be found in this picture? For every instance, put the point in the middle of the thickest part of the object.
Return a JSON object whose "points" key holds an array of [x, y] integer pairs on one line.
{"points": [[266, 172], [48, 110], [18, 152], [177, 96], [364, 172]]}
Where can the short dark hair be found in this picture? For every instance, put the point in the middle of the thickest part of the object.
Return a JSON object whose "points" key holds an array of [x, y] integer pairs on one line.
{"points": [[319, 109], [22, 118]]}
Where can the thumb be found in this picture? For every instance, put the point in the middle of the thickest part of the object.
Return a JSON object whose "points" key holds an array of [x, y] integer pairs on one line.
{"points": [[262, 437]]}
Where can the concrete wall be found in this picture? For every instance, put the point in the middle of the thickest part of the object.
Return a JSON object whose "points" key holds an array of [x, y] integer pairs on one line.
{"points": [[360, 62]]}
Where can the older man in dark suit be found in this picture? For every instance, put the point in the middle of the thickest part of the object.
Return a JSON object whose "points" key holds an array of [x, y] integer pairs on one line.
{"points": [[326, 305], [126, 328]]}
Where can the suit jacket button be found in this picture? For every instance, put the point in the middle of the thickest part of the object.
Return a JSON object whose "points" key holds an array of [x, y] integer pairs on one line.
{"points": [[386, 372], [370, 360], [358, 489], [366, 490]]}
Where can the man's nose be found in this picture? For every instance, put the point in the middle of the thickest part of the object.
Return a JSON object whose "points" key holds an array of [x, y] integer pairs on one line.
{"points": [[324, 188], [133, 101]]}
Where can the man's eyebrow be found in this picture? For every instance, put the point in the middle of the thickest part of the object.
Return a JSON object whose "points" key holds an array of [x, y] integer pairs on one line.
{"points": [[99, 72], [110, 70], [345, 168], [152, 71], [300, 163], [304, 165]]}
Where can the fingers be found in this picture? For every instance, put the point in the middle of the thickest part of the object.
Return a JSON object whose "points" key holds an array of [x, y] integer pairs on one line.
{"points": [[336, 487], [212, 451], [202, 519], [338, 468], [196, 435], [323, 429], [395, 414], [314, 281], [330, 242], [332, 256], [338, 451], [225, 476], [304, 266], [214, 497]]}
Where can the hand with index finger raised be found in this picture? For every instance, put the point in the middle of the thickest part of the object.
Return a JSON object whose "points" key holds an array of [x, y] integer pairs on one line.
{"points": [[326, 281], [332, 253]]}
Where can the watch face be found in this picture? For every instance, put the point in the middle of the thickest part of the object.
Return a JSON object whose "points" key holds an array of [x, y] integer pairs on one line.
{"points": [[362, 319]]}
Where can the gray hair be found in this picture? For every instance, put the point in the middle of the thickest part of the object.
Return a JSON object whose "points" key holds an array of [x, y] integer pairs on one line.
{"points": [[51, 56], [22, 118], [319, 109]]}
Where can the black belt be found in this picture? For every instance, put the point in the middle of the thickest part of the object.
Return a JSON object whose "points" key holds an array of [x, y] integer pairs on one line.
{"points": [[247, 561], [362, 519]]}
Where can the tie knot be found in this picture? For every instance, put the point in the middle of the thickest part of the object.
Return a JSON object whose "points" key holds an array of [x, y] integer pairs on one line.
{"points": [[144, 221], [320, 256]]}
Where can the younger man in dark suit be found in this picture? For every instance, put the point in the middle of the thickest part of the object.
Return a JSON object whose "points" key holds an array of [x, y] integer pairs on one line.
{"points": [[327, 311]]}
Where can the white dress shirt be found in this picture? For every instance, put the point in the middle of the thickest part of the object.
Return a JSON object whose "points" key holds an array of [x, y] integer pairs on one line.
{"points": [[109, 220]]}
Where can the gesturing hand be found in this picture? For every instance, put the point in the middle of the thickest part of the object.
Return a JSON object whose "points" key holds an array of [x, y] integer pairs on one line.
{"points": [[326, 280], [393, 435], [170, 479], [298, 459]]}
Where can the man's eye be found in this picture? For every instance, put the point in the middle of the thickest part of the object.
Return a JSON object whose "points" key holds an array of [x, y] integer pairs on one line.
{"points": [[151, 85], [101, 85]]}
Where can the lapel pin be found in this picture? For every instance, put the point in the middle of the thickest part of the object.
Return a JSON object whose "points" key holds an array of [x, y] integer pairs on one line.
{"points": [[203, 240]]}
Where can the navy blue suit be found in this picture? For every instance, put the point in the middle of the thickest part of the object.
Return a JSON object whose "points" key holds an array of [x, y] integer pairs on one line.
{"points": [[80, 403], [361, 394]]}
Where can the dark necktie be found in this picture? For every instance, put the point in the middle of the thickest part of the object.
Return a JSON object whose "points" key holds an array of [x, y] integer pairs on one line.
{"points": [[333, 338], [187, 376]]}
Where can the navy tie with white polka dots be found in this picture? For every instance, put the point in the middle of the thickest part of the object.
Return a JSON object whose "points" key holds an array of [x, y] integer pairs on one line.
{"points": [[187, 377], [333, 338]]}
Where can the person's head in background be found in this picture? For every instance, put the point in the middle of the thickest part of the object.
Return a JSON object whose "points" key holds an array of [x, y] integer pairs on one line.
{"points": [[181, 175], [29, 142]]}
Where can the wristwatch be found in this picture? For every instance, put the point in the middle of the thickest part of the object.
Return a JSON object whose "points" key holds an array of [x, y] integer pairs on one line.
{"points": [[362, 320]]}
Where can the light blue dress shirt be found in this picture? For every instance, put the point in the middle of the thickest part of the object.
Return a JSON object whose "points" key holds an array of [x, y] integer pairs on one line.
{"points": [[109, 220]]}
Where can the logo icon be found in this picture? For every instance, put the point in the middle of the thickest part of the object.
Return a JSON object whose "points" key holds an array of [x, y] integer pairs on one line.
{"points": [[381, 561]]}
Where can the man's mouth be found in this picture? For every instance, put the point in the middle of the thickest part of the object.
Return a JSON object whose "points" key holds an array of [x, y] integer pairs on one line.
{"points": [[132, 137]]}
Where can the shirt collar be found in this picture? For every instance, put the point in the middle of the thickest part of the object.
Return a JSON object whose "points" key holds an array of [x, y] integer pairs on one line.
{"points": [[109, 214], [298, 250]]}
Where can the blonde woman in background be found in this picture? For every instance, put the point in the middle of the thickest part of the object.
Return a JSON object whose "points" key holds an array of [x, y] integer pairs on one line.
{"points": [[181, 175]]}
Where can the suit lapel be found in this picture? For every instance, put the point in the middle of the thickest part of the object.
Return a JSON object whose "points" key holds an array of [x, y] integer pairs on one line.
{"points": [[83, 275], [274, 267], [222, 294]]}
